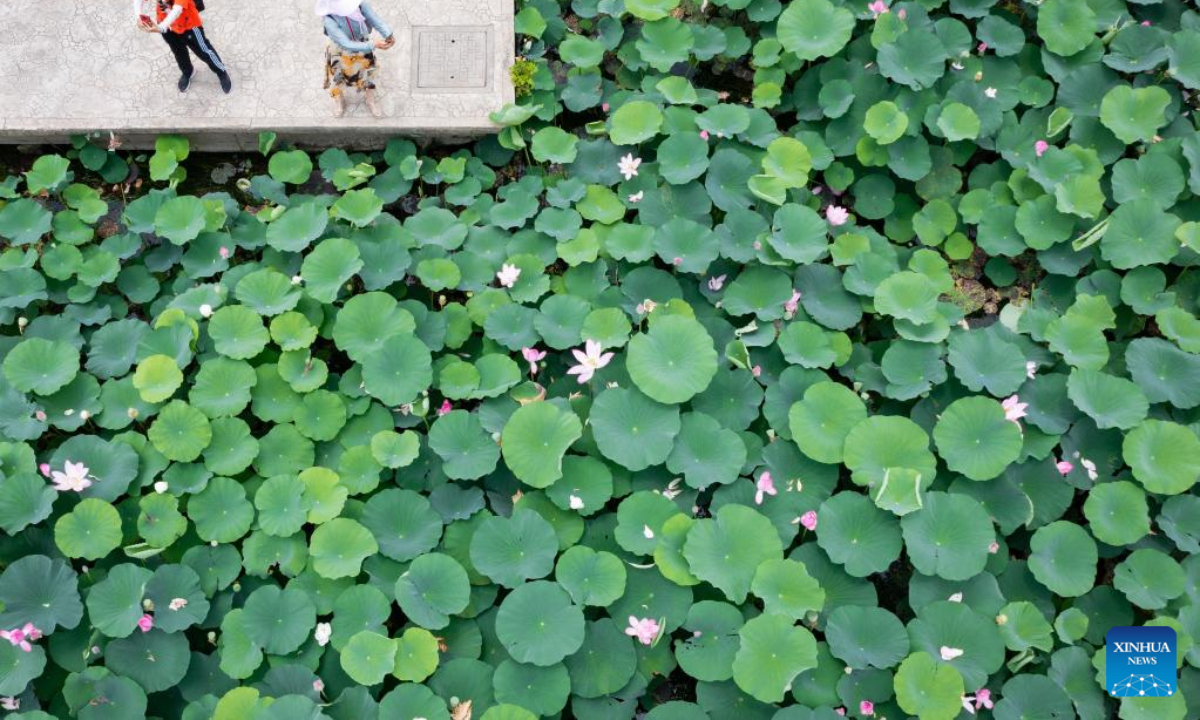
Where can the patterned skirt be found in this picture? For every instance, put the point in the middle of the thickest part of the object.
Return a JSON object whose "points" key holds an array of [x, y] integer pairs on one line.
{"points": [[348, 70]]}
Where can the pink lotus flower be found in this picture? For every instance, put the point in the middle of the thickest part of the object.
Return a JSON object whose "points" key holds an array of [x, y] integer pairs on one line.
{"points": [[764, 486], [809, 520], [75, 478], [508, 275], [645, 630], [792, 304], [841, 711], [1064, 467], [628, 166], [9, 702], [1014, 409], [604, 107], [716, 283], [40, 415], [533, 356], [703, 134], [866, 707], [983, 699], [1031, 369], [950, 653], [445, 408], [1040, 147], [637, 196], [319, 685], [44, 469], [590, 360], [224, 252], [22, 637], [756, 371], [1145, 23], [993, 547], [322, 633], [903, 14], [878, 8], [837, 215], [983, 47], [646, 307], [146, 623]]}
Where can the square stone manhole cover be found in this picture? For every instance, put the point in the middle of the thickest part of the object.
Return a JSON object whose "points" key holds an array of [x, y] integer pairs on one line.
{"points": [[452, 59]]}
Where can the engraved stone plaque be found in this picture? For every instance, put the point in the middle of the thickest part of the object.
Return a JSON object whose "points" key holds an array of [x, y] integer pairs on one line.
{"points": [[452, 59]]}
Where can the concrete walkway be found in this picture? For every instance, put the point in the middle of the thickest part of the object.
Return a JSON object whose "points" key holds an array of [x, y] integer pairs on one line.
{"points": [[71, 66]]}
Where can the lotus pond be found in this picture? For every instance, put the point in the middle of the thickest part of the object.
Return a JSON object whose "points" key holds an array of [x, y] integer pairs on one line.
{"points": [[779, 361]]}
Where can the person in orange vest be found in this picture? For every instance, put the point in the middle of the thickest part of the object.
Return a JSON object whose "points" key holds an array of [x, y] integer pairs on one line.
{"points": [[178, 21]]}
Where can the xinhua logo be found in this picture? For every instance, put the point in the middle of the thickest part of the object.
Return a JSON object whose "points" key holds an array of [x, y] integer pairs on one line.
{"points": [[1140, 662]]}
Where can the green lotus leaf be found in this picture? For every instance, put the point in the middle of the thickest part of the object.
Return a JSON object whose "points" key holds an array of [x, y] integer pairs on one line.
{"points": [[1139, 233], [369, 657], [949, 537], [928, 689], [180, 432], [535, 439], [857, 535], [1063, 558], [416, 655], [539, 625], [881, 442], [339, 547], [512, 550], [773, 652], [367, 321], [221, 512], [866, 636], [1149, 578], [821, 421], [1164, 456], [604, 663], [114, 604], [181, 219], [398, 371], [786, 588], [282, 507], [433, 588], [237, 332], [591, 577], [705, 453], [975, 438], [279, 621], [404, 523], [42, 591], [297, 227], [635, 122], [172, 658], [90, 531], [1134, 114], [24, 221], [885, 122], [290, 166], [632, 429], [157, 378], [267, 292], [395, 450], [813, 29], [41, 366], [727, 549]]}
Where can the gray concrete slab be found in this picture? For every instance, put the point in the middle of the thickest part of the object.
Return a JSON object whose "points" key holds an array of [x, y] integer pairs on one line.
{"points": [[75, 66]]}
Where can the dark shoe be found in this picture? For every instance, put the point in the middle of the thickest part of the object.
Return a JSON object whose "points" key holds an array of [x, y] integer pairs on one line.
{"points": [[226, 83], [185, 81]]}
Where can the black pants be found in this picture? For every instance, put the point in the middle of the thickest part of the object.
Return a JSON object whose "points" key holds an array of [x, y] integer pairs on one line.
{"points": [[197, 42]]}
